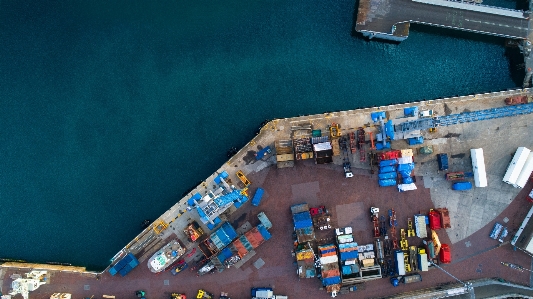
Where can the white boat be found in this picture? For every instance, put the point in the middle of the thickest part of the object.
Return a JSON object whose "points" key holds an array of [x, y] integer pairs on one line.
{"points": [[166, 256]]}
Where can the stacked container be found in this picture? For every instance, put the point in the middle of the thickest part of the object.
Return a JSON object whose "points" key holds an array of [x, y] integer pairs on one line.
{"points": [[329, 261]]}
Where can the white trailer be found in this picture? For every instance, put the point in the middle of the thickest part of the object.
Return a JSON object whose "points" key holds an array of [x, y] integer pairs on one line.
{"points": [[525, 173], [516, 165], [400, 262], [478, 165]]}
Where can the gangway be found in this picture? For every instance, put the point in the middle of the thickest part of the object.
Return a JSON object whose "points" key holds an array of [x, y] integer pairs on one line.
{"points": [[486, 114], [454, 119]]}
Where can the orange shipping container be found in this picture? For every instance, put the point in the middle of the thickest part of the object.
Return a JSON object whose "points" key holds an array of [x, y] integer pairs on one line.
{"points": [[254, 237], [240, 248]]}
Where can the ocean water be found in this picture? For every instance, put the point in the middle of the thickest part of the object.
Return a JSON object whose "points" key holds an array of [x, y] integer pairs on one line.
{"points": [[111, 110]]}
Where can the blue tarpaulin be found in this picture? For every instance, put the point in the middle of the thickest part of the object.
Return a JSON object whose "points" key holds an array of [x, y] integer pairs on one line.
{"points": [[380, 146], [410, 111], [375, 115], [302, 220], [407, 180], [406, 169], [331, 280], [257, 197], [389, 129], [196, 197]]}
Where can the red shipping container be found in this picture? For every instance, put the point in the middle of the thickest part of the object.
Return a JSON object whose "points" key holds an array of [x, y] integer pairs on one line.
{"points": [[445, 254], [434, 220]]}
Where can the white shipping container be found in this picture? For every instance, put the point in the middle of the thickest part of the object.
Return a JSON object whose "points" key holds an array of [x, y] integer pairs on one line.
{"points": [[526, 172], [516, 165], [478, 165], [400, 263]]}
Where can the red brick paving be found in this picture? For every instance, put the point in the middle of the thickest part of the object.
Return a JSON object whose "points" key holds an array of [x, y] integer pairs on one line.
{"points": [[323, 185]]}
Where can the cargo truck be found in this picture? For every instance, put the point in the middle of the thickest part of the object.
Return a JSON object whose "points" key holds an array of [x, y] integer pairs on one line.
{"points": [[395, 281]]}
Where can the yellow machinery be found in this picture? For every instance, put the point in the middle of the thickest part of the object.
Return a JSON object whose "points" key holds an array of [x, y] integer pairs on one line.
{"points": [[204, 295], [335, 130], [243, 178], [245, 192], [403, 241], [406, 262], [410, 230], [432, 130], [159, 226]]}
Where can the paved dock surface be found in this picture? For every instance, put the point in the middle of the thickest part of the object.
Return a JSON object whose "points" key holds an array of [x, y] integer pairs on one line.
{"points": [[383, 15], [473, 213]]}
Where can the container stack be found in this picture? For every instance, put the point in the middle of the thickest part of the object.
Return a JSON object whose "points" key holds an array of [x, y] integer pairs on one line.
{"points": [[405, 169], [124, 266], [329, 261], [303, 224], [367, 255], [348, 252]]}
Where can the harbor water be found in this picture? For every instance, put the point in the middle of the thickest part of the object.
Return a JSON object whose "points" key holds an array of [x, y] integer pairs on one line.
{"points": [[111, 110]]}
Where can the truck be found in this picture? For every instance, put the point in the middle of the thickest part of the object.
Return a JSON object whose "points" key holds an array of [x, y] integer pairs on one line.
{"points": [[347, 169], [257, 197], [442, 160]]}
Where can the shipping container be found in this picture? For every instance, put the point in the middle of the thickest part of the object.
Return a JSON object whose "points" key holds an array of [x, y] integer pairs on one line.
{"points": [[391, 162], [399, 261], [422, 261], [434, 220], [516, 165], [406, 187], [387, 169], [461, 186], [412, 278], [257, 197], [388, 175], [444, 217], [445, 254], [387, 183], [442, 160], [525, 174], [478, 165]]}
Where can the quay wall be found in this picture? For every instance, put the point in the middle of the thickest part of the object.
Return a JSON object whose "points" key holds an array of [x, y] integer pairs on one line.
{"points": [[277, 129], [281, 129]]}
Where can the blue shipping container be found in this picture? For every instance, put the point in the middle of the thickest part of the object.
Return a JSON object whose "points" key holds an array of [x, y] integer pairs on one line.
{"points": [[257, 197], [442, 159], [461, 186], [387, 169], [407, 180], [388, 175], [387, 183], [391, 162], [264, 232]]}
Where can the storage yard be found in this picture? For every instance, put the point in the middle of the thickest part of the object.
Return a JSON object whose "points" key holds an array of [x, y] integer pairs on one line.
{"points": [[319, 209]]}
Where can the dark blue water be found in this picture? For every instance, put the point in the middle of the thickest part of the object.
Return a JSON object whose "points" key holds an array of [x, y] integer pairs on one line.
{"points": [[110, 110]]}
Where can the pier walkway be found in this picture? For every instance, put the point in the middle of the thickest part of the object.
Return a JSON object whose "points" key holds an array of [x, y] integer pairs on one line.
{"points": [[390, 19]]}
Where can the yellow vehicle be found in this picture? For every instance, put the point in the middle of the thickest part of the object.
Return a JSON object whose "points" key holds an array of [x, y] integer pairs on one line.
{"points": [[335, 130], [243, 178], [204, 295], [178, 296]]}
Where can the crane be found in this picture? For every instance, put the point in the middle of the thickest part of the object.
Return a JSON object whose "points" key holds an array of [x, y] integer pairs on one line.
{"points": [[467, 285]]}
